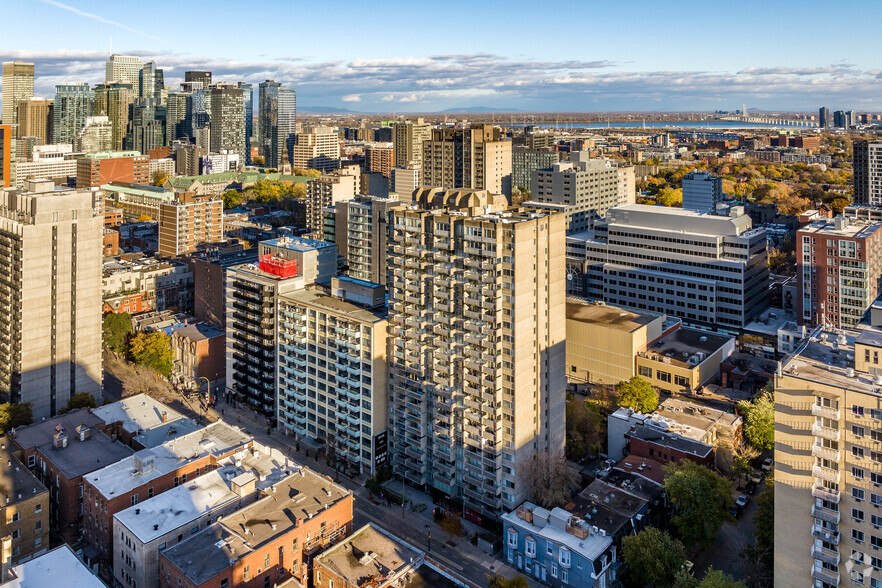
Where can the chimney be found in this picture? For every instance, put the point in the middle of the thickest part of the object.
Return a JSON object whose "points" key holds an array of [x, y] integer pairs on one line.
{"points": [[83, 432], [164, 416], [59, 440]]}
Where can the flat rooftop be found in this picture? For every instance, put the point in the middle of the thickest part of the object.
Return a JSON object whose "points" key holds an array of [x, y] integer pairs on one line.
{"points": [[121, 477], [696, 415], [211, 551], [79, 457], [137, 413], [647, 468], [670, 440], [199, 332], [683, 343], [552, 525], [268, 465], [854, 228], [608, 316], [298, 243], [316, 298], [369, 552], [16, 481], [54, 568], [827, 358], [170, 510]]}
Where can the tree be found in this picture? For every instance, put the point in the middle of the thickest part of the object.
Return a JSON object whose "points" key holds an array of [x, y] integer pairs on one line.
{"points": [[79, 400], [231, 199], [584, 428], [451, 524], [257, 160], [763, 551], [117, 327], [547, 480], [700, 498], [159, 177], [144, 217], [712, 579], [499, 581], [759, 420], [14, 414], [152, 350], [653, 557], [637, 394], [670, 197]]}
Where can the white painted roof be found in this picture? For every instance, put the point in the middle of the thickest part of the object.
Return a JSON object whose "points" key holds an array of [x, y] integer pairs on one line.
{"points": [[54, 568], [139, 412]]}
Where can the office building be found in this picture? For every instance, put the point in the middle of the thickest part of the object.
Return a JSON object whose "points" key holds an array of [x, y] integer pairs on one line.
{"points": [[187, 221], [707, 270], [179, 117], [559, 548], [477, 157], [285, 265], [524, 161], [583, 189], [123, 69], [227, 122], [146, 130], [188, 160], [827, 479], [844, 119], [702, 192], [378, 157], [35, 119], [824, 120], [838, 264], [151, 82], [243, 549], [360, 232], [469, 405], [248, 108], [95, 136], [332, 370], [867, 177], [226, 160], [114, 100], [277, 122], [18, 85], [95, 169], [316, 148], [203, 77], [74, 103], [407, 142], [405, 181], [52, 300], [7, 158], [51, 162]]}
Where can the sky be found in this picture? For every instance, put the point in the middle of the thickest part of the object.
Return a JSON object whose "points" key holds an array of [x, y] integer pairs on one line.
{"points": [[397, 57]]}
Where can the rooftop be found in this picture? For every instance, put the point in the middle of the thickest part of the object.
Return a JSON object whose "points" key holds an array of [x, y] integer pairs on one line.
{"points": [[170, 510], [138, 189], [648, 468], [696, 415], [112, 154], [608, 316], [671, 440], [827, 357], [370, 552], [297, 243], [316, 298], [854, 228], [680, 346], [553, 525], [199, 332], [16, 481], [130, 473], [137, 413], [681, 220], [51, 569], [78, 457], [211, 551], [267, 465]]}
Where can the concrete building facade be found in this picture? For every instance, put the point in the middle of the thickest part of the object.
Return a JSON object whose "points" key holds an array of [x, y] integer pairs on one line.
{"points": [[477, 158]]}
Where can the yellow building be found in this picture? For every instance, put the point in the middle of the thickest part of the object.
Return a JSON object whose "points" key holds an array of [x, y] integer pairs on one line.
{"points": [[602, 341], [684, 360]]}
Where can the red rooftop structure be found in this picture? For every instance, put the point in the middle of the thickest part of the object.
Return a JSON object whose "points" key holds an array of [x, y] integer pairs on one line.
{"points": [[283, 268]]}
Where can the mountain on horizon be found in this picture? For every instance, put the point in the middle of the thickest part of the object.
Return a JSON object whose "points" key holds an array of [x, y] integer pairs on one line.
{"points": [[327, 110], [478, 109]]}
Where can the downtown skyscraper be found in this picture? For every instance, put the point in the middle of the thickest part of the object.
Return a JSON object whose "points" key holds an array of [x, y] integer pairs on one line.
{"points": [[227, 122], [248, 107], [73, 104], [476, 354], [18, 86], [277, 112]]}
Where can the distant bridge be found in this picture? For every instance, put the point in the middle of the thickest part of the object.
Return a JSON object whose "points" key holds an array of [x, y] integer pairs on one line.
{"points": [[771, 121]]}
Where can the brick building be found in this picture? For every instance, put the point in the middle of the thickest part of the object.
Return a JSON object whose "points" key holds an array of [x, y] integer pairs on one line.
{"points": [[188, 221], [266, 543], [199, 352], [95, 169], [658, 444], [24, 515], [150, 472], [60, 451]]}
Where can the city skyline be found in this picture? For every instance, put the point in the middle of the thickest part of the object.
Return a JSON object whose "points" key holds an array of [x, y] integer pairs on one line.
{"points": [[602, 59]]}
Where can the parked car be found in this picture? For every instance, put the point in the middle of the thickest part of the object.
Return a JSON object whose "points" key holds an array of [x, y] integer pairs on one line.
{"points": [[742, 501], [751, 487], [767, 465]]}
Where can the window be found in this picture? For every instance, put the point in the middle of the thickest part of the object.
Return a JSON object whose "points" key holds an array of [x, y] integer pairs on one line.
{"points": [[225, 583], [16, 516], [565, 577], [876, 521], [663, 376], [38, 525], [530, 547], [857, 472], [38, 542], [149, 492], [247, 574], [858, 493], [266, 562], [161, 546], [857, 451], [857, 410], [564, 557], [857, 514], [512, 538], [857, 556], [644, 371], [38, 509], [16, 533], [875, 499], [32, 461], [549, 548], [857, 431], [858, 536], [134, 500], [681, 381]]}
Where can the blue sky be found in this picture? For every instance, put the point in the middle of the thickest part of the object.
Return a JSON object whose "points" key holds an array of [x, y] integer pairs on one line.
{"points": [[430, 56]]}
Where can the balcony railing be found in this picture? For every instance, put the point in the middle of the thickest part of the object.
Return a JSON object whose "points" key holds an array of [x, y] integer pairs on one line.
{"points": [[825, 412], [826, 474], [825, 432], [826, 494], [825, 453]]}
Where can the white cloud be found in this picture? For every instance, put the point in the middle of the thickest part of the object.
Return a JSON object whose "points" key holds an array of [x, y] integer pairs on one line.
{"points": [[387, 98], [411, 98], [351, 98]]}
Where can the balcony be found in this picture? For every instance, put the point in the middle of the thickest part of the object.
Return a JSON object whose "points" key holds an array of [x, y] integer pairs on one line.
{"points": [[828, 535], [831, 516], [825, 453], [826, 474], [825, 412], [825, 576], [826, 494], [825, 432]]}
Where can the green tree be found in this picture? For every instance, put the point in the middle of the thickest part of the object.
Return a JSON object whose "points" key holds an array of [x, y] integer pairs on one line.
{"points": [[700, 498], [759, 420], [257, 160], [670, 197], [116, 328], [653, 557], [584, 428], [712, 579], [637, 394], [13, 414], [764, 525], [231, 199], [152, 350], [79, 400], [499, 581]]}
